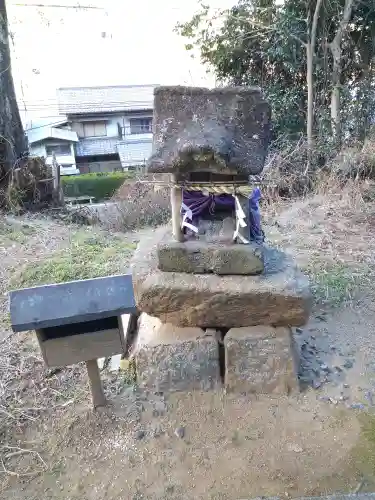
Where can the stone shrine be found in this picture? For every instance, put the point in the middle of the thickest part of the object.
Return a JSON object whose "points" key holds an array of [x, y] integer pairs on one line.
{"points": [[216, 302]]}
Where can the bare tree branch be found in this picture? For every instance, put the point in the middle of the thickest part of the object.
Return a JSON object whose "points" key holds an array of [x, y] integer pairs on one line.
{"points": [[348, 9], [314, 26]]}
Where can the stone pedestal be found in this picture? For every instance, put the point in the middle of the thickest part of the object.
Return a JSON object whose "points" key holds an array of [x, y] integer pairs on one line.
{"points": [[260, 360], [193, 288], [278, 297], [200, 257], [169, 358]]}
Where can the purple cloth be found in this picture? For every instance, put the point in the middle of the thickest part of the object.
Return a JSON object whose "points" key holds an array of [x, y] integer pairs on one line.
{"points": [[202, 205], [256, 233]]}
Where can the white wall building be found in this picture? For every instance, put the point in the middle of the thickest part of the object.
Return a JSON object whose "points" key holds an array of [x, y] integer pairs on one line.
{"points": [[106, 128], [46, 140]]}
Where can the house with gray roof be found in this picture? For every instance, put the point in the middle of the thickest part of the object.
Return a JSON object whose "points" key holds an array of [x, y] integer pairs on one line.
{"points": [[113, 125], [99, 129]]}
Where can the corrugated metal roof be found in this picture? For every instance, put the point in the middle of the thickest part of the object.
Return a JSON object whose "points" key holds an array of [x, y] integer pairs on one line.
{"points": [[134, 153], [77, 100]]}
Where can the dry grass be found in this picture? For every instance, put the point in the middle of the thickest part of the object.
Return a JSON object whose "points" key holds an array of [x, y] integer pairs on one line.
{"points": [[137, 204], [330, 232], [88, 256], [33, 251], [142, 204], [355, 161], [28, 184], [27, 392], [287, 168]]}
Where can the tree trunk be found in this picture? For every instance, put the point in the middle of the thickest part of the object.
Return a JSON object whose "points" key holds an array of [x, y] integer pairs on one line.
{"points": [[13, 144], [367, 111], [312, 28], [310, 96], [335, 95], [335, 47]]}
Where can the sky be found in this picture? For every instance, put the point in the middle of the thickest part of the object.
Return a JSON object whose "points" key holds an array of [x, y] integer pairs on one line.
{"points": [[124, 42]]}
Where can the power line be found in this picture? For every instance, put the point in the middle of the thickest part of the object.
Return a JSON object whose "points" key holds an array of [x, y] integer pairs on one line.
{"points": [[56, 6], [45, 125], [106, 106]]}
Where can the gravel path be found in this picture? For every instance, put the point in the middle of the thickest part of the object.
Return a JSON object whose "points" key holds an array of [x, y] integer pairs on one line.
{"points": [[338, 355]]}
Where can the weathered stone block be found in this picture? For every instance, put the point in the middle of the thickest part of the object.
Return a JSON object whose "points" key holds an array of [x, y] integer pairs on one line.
{"points": [[224, 130], [201, 257], [260, 360], [170, 358], [278, 297]]}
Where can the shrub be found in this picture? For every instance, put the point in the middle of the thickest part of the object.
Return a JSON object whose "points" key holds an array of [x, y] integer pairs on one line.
{"points": [[100, 186], [140, 204]]}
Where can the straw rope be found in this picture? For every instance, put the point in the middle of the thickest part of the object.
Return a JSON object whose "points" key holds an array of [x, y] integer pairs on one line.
{"points": [[218, 189], [213, 188]]}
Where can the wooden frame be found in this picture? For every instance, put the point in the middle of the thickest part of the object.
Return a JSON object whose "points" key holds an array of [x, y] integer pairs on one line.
{"points": [[78, 321], [79, 346], [69, 350]]}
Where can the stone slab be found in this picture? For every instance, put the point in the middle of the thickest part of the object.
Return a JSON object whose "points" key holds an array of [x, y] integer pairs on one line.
{"points": [[278, 297], [74, 302], [260, 360], [201, 257], [222, 130], [169, 358], [216, 230]]}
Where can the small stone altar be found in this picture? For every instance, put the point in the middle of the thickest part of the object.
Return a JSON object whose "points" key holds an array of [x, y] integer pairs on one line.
{"points": [[217, 304]]}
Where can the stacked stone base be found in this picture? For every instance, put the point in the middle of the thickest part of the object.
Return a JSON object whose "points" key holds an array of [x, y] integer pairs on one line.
{"points": [[199, 331], [169, 358], [261, 360], [247, 360], [201, 257], [278, 297]]}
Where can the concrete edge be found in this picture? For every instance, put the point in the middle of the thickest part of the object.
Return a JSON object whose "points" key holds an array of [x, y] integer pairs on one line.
{"points": [[348, 496]]}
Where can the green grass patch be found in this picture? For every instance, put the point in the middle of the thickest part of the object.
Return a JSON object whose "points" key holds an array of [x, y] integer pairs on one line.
{"points": [[100, 186], [355, 472], [362, 456], [15, 233], [364, 453], [337, 283], [88, 256]]}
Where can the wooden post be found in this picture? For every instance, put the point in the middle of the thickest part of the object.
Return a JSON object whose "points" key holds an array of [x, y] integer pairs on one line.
{"points": [[176, 201], [98, 398], [58, 196]]}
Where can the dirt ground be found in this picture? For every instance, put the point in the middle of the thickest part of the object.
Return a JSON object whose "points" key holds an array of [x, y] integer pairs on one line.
{"points": [[206, 445]]}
